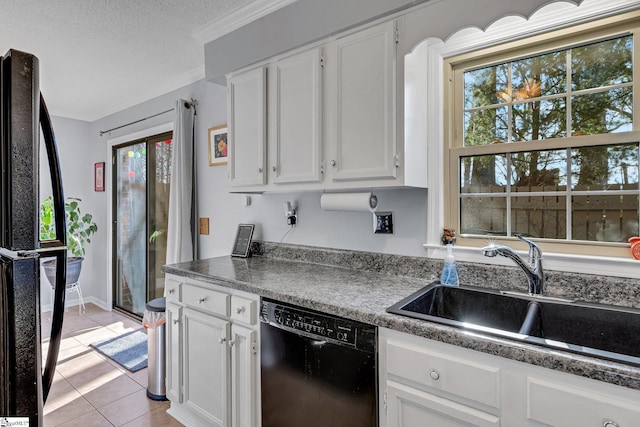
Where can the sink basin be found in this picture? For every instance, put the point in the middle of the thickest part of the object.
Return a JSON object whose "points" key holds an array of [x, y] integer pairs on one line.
{"points": [[597, 330], [464, 306]]}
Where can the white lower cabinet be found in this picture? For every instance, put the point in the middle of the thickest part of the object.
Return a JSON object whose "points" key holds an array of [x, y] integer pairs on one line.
{"points": [[429, 383], [411, 407], [212, 356], [174, 352], [244, 377], [424, 385], [558, 403], [206, 366]]}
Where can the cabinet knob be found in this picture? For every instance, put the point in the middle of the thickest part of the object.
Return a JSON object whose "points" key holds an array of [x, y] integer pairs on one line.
{"points": [[333, 163], [240, 310], [171, 291], [231, 343], [201, 300], [435, 375], [222, 340], [176, 321], [259, 170], [274, 168], [610, 424]]}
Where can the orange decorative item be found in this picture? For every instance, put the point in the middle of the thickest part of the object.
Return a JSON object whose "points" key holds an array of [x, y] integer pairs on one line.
{"points": [[635, 247]]}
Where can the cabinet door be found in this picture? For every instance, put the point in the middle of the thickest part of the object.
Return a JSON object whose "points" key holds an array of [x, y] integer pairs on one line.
{"points": [[174, 353], [557, 404], [295, 106], [410, 407], [244, 373], [365, 144], [246, 128], [206, 366]]}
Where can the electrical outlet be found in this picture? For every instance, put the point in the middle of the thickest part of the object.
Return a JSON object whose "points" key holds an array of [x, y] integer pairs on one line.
{"points": [[204, 226], [383, 222], [290, 212]]}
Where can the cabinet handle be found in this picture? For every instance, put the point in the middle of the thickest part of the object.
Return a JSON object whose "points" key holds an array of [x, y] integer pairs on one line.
{"points": [[240, 310], [201, 300], [333, 163], [435, 375], [171, 291], [610, 424], [221, 340]]}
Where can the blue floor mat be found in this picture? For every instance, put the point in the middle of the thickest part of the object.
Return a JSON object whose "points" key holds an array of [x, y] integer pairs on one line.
{"points": [[128, 350]]}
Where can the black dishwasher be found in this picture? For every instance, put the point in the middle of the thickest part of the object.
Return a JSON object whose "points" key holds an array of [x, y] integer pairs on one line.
{"points": [[317, 369]]}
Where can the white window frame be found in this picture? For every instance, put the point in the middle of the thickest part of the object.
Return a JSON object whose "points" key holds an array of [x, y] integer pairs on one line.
{"points": [[566, 256]]}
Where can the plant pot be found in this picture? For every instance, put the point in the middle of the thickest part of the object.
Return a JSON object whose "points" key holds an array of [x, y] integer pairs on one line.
{"points": [[74, 265]]}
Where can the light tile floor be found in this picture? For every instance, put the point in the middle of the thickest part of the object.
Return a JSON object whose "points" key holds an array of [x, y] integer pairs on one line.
{"points": [[90, 389]]}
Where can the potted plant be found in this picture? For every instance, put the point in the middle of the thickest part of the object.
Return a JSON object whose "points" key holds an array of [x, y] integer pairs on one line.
{"points": [[80, 227]]}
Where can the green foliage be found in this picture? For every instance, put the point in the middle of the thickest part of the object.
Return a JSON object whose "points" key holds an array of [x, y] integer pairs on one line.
{"points": [[529, 99], [80, 226]]}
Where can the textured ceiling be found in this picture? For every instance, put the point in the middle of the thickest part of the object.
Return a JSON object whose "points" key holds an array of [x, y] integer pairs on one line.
{"points": [[98, 57]]}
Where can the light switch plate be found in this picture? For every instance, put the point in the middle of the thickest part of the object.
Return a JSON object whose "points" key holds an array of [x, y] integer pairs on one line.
{"points": [[383, 222], [204, 226]]}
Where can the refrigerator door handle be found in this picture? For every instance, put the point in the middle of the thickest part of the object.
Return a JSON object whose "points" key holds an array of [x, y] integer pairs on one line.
{"points": [[56, 320], [56, 178], [60, 251]]}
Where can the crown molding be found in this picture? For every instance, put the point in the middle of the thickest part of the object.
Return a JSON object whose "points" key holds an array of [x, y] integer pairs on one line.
{"points": [[237, 18]]}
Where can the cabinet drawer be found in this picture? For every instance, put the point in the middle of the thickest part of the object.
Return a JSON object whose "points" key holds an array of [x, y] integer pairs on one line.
{"points": [[561, 405], [408, 406], [172, 289], [243, 309], [205, 299], [438, 371]]}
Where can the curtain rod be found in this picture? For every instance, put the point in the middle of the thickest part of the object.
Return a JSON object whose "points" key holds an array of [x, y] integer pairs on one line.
{"points": [[193, 103]]}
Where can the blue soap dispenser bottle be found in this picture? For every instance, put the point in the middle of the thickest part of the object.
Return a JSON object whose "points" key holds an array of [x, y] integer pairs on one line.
{"points": [[449, 275]]}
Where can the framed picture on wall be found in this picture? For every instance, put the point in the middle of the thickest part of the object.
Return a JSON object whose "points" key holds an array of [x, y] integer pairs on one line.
{"points": [[218, 145], [98, 176]]}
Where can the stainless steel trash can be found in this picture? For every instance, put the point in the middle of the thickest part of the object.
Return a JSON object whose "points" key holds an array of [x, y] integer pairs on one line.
{"points": [[154, 321]]}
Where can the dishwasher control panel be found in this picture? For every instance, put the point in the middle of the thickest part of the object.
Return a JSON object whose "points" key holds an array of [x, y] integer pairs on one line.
{"points": [[314, 324]]}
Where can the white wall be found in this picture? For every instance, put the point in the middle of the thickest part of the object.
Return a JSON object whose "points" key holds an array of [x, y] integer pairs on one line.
{"points": [[76, 162]]}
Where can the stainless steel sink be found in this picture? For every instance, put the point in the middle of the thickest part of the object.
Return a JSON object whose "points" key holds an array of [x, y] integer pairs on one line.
{"points": [[597, 330]]}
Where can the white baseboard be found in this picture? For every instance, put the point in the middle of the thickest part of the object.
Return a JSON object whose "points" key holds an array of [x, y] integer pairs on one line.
{"points": [[73, 302]]}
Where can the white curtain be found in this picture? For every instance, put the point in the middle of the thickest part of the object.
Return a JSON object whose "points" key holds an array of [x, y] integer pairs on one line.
{"points": [[181, 236]]}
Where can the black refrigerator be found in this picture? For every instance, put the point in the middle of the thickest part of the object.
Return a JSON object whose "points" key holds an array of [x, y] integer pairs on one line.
{"points": [[25, 379]]}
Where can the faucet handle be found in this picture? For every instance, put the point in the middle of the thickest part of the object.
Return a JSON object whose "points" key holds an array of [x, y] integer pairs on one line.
{"points": [[534, 251]]}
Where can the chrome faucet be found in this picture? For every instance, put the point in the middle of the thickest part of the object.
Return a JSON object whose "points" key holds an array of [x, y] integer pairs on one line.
{"points": [[532, 269]]}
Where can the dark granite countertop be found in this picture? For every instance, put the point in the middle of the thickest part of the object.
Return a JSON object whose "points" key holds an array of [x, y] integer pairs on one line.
{"points": [[364, 296]]}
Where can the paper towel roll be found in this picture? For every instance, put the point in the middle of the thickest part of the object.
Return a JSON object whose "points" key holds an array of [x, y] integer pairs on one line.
{"points": [[357, 202]]}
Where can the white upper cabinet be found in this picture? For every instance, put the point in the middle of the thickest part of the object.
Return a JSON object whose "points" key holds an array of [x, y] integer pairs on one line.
{"points": [[295, 118], [364, 143], [334, 116], [247, 128]]}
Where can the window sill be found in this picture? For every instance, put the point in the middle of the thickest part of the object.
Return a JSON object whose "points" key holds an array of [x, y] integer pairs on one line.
{"points": [[585, 264]]}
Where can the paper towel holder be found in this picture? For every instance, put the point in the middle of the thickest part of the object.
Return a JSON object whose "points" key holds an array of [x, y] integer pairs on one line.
{"points": [[349, 201]]}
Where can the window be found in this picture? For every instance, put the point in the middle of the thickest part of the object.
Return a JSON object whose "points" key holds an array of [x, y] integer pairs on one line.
{"points": [[543, 142]]}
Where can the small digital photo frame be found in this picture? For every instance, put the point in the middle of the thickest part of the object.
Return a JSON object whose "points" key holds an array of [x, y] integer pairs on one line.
{"points": [[242, 246]]}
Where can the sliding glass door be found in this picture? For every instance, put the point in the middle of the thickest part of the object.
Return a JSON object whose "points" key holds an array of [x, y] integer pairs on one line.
{"points": [[141, 177]]}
